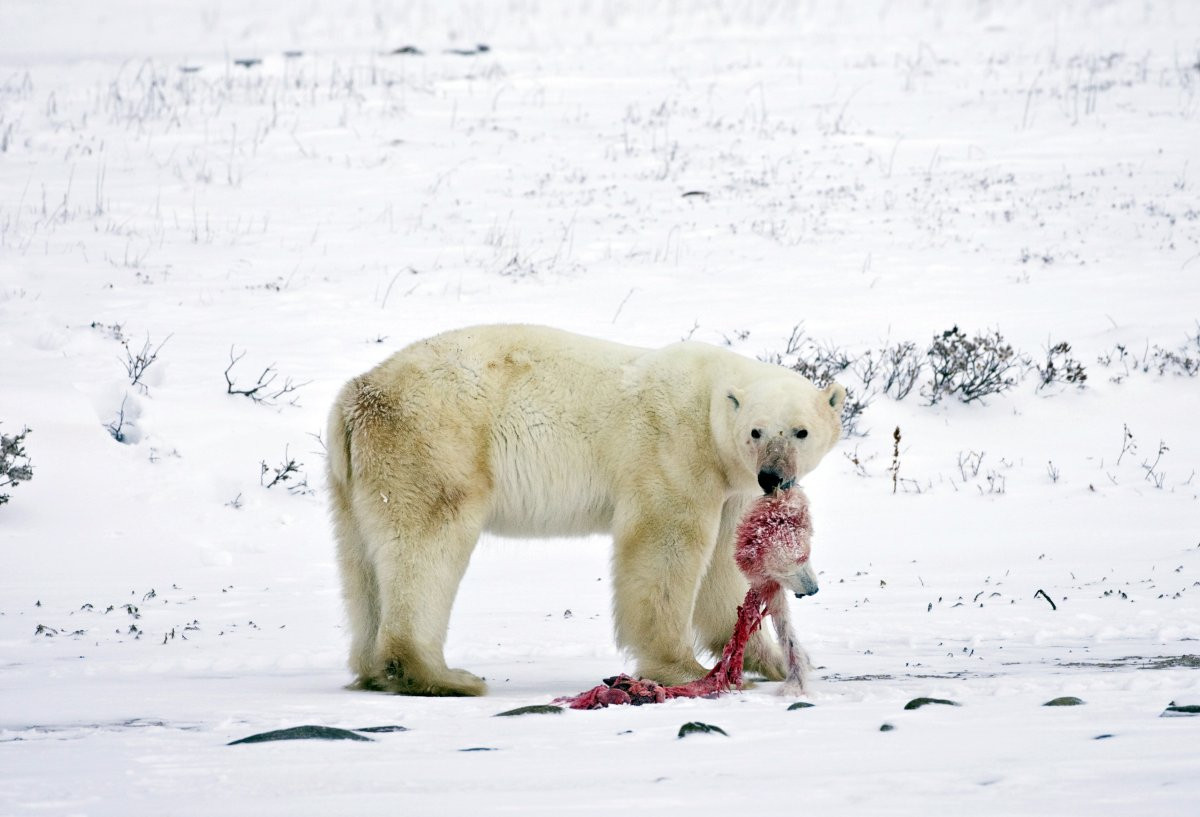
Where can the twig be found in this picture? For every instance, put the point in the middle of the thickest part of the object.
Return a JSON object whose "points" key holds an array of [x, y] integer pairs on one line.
{"points": [[137, 364], [1029, 98], [1128, 446], [624, 301], [261, 391], [895, 469], [117, 427], [1042, 593]]}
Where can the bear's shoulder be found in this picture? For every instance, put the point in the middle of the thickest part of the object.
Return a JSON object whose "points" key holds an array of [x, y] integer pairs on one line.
{"points": [[718, 364]]}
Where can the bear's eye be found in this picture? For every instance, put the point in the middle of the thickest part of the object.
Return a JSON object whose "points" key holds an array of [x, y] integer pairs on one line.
{"points": [[756, 433], [801, 433]]}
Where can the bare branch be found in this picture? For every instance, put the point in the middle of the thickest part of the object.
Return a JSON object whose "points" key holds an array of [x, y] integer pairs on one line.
{"points": [[137, 364], [264, 391]]}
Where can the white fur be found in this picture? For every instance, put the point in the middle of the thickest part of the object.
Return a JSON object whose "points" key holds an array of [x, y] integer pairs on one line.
{"points": [[531, 431]]}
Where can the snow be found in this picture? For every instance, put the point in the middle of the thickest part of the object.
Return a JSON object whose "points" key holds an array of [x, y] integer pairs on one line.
{"points": [[874, 171]]}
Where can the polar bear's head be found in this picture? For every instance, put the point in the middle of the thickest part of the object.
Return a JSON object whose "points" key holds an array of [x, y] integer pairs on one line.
{"points": [[782, 426]]}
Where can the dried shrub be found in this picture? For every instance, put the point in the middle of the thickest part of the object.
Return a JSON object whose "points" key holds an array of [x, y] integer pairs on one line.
{"points": [[902, 367], [852, 410], [970, 368], [266, 390], [137, 363], [1060, 368], [823, 363], [15, 466], [819, 362], [1181, 361], [287, 474], [1184, 360]]}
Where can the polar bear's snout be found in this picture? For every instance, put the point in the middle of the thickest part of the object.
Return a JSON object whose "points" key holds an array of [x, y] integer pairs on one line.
{"points": [[777, 467], [769, 479]]}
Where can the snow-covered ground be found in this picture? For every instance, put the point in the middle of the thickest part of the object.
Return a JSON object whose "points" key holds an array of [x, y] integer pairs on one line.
{"points": [[877, 172]]}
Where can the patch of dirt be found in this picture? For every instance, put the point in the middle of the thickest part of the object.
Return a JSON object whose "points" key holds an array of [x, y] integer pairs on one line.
{"points": [[1141, 662]]}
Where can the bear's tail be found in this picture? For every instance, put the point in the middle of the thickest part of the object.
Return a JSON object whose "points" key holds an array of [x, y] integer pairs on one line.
{"points": [[337, 443], [358, 579]]}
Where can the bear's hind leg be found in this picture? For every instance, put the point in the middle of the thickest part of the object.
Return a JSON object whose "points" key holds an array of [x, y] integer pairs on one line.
{"points": [[418, 574], [359, 590]]}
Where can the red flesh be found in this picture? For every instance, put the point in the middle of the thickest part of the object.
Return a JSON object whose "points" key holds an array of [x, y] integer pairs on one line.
{"points": [[775, 533], [726, 675]]}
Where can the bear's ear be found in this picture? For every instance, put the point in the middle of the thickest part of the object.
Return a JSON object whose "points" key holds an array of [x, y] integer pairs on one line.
{"points": [[836, 395], [735, 397]]}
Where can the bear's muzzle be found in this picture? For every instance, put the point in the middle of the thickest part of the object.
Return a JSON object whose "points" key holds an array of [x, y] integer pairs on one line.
{"points": [[777, 467]]}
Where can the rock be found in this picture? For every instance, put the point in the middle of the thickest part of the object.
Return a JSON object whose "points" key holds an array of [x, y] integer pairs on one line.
{"points": [[917, 703], [1066, 700], [800, 705], [301, 733], [379, 729], [536, 709], [1175, 710], [887, 727], [696, 727]]}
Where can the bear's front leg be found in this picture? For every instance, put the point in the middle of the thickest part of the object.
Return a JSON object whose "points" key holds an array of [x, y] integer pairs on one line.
{"points": [[657, 566]]}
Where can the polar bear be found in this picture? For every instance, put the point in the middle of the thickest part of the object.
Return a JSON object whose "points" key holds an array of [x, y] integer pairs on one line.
{"points": [[532, 431]]}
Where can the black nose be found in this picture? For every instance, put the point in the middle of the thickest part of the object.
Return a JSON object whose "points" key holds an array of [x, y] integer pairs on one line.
{"points": [[769, 480], [814, 592]]}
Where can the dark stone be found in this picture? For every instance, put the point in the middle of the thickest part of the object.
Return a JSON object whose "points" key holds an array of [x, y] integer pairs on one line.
{"points": [[536, 709], [696, 727], [1175, 710], [887, 727], [380, 729], [301, 733], [917, 703], [480, 749], [800, 705], [1105, 736], [1066, 700]]}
